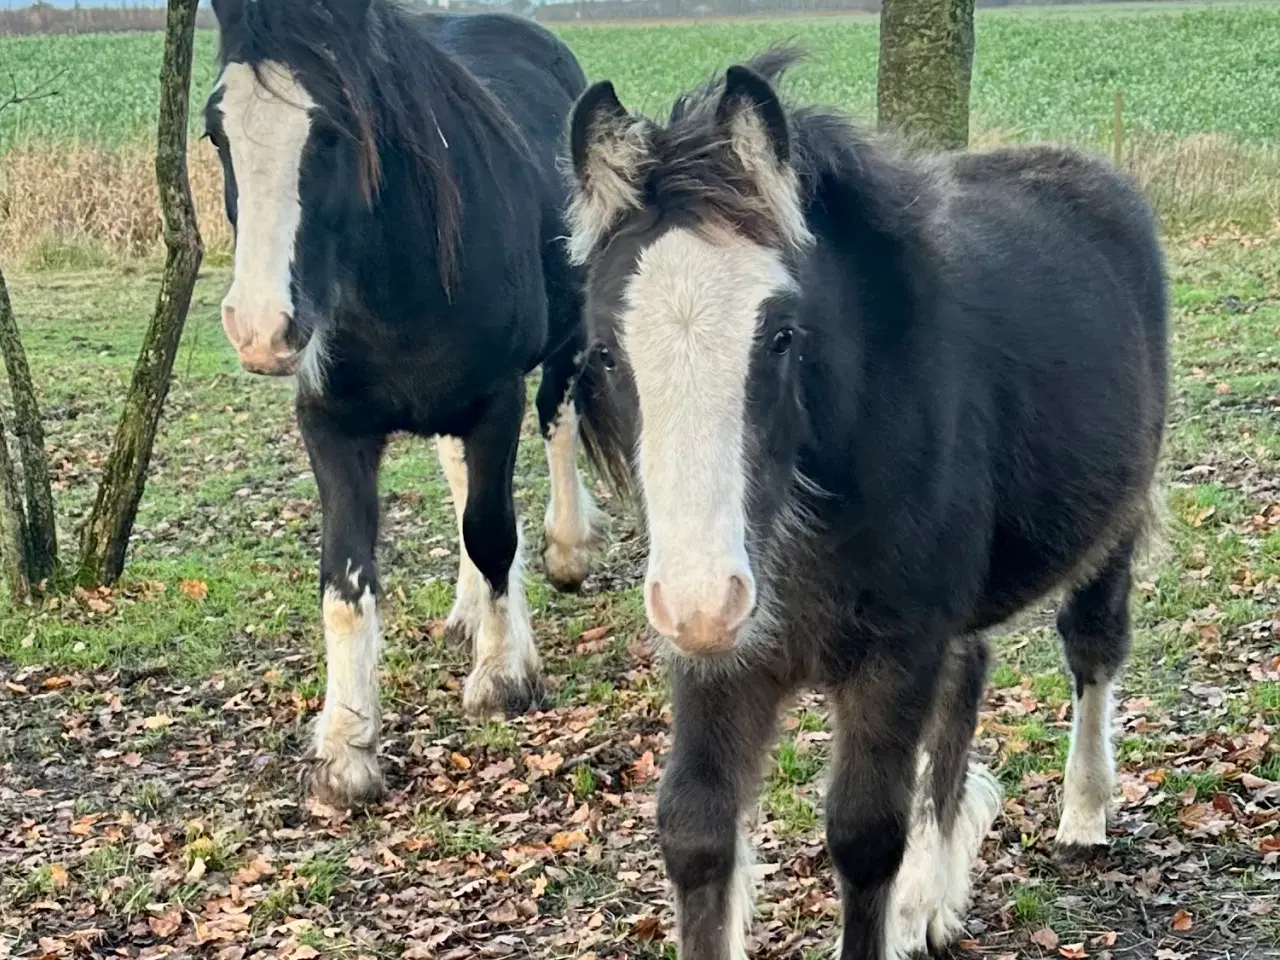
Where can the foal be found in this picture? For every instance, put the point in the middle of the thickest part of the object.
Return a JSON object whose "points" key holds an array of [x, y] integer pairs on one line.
{"points": [[884, 403], [392, 180]]}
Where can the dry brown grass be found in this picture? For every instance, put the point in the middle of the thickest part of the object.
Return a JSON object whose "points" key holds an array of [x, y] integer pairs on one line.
{"points": [[1207, 179], [62, 203], [98, 200]]}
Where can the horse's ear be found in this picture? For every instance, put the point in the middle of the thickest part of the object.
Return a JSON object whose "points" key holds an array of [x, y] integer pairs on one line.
{"points": [[596, 115], [751, 113], [610, 151], [228, 12], [754, 123]]}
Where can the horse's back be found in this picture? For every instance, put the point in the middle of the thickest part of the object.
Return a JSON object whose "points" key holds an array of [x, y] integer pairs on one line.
{"points": [[1056, 288], [532, 72]]}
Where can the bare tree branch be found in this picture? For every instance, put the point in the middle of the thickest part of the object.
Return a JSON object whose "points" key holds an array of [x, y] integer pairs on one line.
{"points": [[41, 91]]}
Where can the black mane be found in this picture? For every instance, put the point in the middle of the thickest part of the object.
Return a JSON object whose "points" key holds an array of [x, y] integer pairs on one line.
{"points": [[382, 80]]}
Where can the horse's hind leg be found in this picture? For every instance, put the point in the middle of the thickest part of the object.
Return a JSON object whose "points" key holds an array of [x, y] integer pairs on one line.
{"points": [[469, 597], [955, 802], [1095, 628], [572, 520]]}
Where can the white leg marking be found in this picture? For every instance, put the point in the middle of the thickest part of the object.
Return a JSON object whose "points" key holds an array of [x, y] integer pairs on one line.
{"points": [[506, 668], [471, 594], [572, 519], [1090, 775], [742, 897], [347, 731], [979, 806], [922, 873], [931, 891], [740, 905]]}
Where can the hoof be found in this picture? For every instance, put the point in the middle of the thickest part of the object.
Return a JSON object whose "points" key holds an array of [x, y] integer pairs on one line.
{"points": [[490, 693], [566, 565], [351, 778], [1081, 831]]}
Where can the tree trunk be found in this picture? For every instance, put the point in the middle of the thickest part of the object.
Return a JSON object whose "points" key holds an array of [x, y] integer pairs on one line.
{"points": [[13, 524], [106, 536], [40, 547], [926, 65]]}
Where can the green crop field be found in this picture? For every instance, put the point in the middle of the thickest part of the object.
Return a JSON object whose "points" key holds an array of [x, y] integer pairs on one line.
{"points": [[1036, 76]]}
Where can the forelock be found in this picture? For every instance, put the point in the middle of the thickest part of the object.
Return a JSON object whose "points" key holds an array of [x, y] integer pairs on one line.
{"points": [[692, 173]]}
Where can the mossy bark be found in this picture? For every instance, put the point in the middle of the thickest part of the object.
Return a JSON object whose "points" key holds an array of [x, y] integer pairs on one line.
{"points": [[38, 529], [106, 536], [926, 65]]}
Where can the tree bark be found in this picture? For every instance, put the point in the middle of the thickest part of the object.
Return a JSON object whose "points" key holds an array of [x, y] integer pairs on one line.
{"points": [[926, 66], [13, 525], [39, 529], [106, 536]]}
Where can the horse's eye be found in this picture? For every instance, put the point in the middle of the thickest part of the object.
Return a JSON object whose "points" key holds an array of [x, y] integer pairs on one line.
{"points": [[782, 341], [606, 357]]}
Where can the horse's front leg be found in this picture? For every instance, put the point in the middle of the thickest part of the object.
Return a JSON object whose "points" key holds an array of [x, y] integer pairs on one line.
{"points": [[346, 737], [506, 675], [722, 727]]}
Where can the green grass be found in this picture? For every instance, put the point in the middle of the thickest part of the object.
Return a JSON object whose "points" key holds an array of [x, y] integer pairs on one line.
{"points": [[1183, 71]]}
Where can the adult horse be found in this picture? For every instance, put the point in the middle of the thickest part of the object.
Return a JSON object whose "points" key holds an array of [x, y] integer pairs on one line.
{"points": [[884, 403], [392, 180]]}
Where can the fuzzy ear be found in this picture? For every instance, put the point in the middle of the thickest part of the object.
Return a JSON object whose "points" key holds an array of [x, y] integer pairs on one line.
{"points": [[749, 100], [610, 152], [754, 123]]}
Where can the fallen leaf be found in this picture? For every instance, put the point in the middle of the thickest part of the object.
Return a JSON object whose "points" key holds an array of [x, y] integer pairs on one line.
{"points": [[1182, 921], [305, 952], [643, 769], [1045, 938], [647, 929], [567, 841], [195, 589], [158, 722], [131, 759], [58, 874], [504, 912], [1107, 939], [595, 633], [1073, 951], [165, 925], [56, 683], [252, 873]]}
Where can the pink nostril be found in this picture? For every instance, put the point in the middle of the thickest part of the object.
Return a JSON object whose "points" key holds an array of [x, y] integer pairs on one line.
{"points": [[740, 601], [660, 617]]}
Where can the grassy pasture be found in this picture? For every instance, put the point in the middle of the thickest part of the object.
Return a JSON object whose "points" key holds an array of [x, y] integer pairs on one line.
{"points": [[150, 735]]}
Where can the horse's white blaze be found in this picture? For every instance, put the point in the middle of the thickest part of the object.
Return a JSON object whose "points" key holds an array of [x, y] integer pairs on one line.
{"points": [[572, 517], [347, 731], [688, 326], [266, 123], [1090, 772]]}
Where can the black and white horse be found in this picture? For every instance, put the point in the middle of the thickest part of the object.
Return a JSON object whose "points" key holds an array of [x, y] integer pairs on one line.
{"points": [[883, 404], [393, 184]]}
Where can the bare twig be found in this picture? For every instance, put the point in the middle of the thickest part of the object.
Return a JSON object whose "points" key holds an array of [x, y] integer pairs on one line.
{"points": [[41, 91]]}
